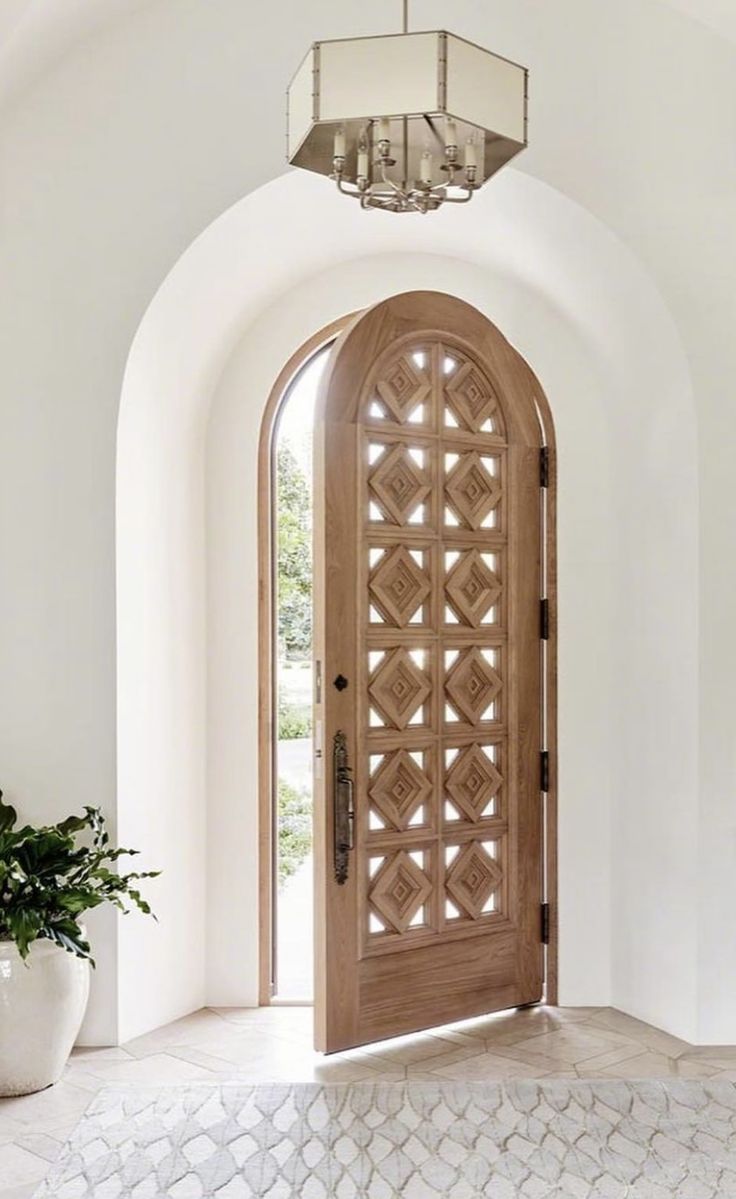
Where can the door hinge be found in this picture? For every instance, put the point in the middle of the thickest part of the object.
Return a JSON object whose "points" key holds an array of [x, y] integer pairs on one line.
{"points": [[544, 619], [544, 466], [544, 772], [545, 923]]}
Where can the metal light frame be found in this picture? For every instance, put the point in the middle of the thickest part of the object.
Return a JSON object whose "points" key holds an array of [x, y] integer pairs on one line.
{"points": [[377, 114]]}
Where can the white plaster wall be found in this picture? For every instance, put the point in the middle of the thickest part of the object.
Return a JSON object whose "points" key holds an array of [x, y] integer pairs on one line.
{"points": [[162, 681]]}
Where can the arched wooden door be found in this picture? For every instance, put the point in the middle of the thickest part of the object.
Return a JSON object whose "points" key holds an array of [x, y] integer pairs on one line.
{"points": [[429, 674]]}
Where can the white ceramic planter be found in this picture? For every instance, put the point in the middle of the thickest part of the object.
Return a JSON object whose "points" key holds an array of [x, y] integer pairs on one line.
{"points": [[42, 1003]]}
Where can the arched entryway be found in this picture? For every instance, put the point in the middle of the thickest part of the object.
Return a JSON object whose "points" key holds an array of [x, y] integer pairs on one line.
{"points": [[198, 375]]}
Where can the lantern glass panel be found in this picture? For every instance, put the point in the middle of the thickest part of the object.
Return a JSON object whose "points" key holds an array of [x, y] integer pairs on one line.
{"points": [[486, 90], [378, 76]]}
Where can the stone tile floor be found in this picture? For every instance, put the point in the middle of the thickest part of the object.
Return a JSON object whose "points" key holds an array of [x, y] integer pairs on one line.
{"points": [[261, 1044]]}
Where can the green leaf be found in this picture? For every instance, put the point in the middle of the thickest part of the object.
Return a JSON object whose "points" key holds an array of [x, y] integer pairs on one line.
{"points": [[24, 927], [8, 816], [68, 936], [73, 824], [78, 901]]}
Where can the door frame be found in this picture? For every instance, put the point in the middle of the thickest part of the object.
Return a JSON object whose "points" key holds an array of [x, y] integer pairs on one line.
{"points": [[267, 667]]}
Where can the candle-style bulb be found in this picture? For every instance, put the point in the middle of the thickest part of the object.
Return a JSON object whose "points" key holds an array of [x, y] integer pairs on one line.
{"points": [[384, 130], [450, 132], [362, 161], [471, 158], [338, 149], [425, 167]]}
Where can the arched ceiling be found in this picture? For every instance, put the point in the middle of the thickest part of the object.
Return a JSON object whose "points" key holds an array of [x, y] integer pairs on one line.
{"points": [[718, 15], [631, 117], [34, 34]]}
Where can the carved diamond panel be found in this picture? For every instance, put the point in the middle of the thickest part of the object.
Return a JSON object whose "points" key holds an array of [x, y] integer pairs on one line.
{"points": [[399, 890], [471, 491], [398, 688], [472, 879], [399, 788], [472, 588], [399, 484], [398, 586], [403, 387], [472, 684], [472, 782], [436, 561], [470, 396]]}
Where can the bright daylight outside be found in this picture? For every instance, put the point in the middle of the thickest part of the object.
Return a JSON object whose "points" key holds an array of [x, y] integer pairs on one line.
{"points": [[293, 491]]}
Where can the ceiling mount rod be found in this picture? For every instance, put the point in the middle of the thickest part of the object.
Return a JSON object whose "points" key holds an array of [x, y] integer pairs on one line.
{"points": [[406, 16]]}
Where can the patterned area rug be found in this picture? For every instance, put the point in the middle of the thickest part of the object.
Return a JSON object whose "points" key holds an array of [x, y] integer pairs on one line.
{"points": [[533, 1140]]}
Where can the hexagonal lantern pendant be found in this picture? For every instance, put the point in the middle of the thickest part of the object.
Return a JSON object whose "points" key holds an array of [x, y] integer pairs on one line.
{"points": [[429, 116]]}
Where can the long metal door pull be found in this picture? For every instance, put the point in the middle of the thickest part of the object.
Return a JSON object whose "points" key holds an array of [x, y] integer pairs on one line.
{"points": [[342, 790]]}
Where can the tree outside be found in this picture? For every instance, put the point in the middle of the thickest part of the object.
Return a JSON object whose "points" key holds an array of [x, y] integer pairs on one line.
{"points": [[293, 538], [294, 581], [294, 543]]}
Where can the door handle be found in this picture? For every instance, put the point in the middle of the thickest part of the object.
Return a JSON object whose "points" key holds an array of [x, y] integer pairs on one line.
{"points": [[343, 800]]}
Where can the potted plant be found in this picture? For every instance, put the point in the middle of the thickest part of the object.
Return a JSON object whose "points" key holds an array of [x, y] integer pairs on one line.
{"points": [[48, 878]]}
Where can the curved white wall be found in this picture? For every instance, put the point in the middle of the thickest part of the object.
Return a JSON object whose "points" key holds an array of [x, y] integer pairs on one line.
{"points": [[585, 316]]}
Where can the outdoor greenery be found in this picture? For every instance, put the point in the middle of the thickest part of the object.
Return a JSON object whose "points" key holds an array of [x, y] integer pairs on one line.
{"points": [[295, 720], [48, 879], [294, 545], [294, 538], [295, 829]]}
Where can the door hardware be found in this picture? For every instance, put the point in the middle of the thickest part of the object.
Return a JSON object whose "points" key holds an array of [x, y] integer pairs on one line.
{"points": [[544, 762], [544, 619], [341, 682], [544, 466], [545, 923], [343, 800]]}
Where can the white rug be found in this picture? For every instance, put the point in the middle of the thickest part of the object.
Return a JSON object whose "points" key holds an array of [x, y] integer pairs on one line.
{"points": [[534, 1140]]}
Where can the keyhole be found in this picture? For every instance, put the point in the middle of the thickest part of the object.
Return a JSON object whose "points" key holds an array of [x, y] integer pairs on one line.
{"points": [[341, 682]]}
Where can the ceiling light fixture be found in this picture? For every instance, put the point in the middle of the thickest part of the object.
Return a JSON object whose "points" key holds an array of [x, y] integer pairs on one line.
{"points": [[385, 117]]}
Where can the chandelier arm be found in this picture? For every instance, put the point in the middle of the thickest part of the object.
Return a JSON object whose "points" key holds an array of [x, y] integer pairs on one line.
{"points": [[389, 196], [381, 199], [389, 182], [446, 199], [346, 191]]}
